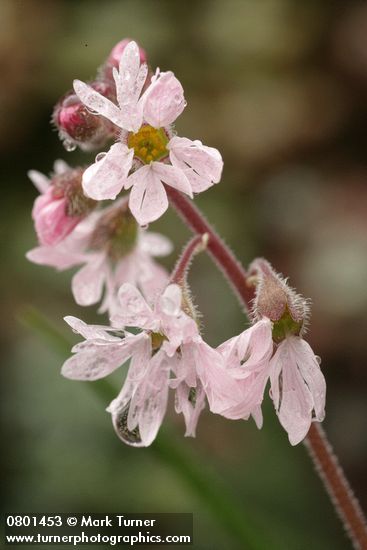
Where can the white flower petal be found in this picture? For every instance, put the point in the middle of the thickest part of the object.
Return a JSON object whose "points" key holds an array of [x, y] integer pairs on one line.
{"points": [[97, 103], [170, 301], [296, 403], [164, 100], [172, 176], [310, 370], [155, 244], [154, 405], [152, 279], [134, 310], [98, 360], [87, 283], [201, 164], [148, 198], [60, 166], [106, 177], [39, 180], [129, 81], [54, 256], [90, 331]]}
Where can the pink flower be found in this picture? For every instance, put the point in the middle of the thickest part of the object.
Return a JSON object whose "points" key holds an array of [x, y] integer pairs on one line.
{"points": [[51, 222], [169, 342], [298, 387], [247, 359], [147, 145], [113, 250], [61, 205], [297, 384]]}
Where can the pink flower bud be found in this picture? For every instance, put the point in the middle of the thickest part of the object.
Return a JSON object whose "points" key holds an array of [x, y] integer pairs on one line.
{"points": [[277, 301], [117, 51], [79, 127], [114, 57], [61, 207], [51, 220]]}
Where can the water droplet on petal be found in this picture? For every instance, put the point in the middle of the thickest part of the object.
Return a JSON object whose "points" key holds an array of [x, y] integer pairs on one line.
{"points": [[69, 145], [92, 111], [119, 421], [100, 156]]}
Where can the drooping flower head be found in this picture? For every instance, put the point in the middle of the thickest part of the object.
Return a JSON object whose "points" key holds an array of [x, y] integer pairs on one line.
{"points": [[298, 386], [167, 352], [61, 205], [148, 154], [112, 249]]}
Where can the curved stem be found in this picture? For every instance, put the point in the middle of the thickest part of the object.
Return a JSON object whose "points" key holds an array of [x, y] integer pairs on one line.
{"points": [[320, 450], [222, 255], [193, 247], [337, 485]]}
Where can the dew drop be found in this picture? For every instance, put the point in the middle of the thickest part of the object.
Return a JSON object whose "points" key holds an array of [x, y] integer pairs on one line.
{"points": [[92, 111], [69, 145], [120, 424], [100, 156]]}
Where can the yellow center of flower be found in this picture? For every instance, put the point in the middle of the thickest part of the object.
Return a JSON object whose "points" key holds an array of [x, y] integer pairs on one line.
{"points": [[149, 143]]}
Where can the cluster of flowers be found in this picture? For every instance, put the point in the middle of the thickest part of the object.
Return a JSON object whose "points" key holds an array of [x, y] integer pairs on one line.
{"points": [[136, 109]]}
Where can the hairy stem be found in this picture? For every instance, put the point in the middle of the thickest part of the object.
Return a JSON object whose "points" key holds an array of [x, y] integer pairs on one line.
{"points": [[193, 247], [337, 485], [222, 255], [320, 450]]}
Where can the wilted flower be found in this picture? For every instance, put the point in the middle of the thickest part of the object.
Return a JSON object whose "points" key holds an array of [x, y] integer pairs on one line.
{"points": [[61, 205], [114, 250], [147, 144]]}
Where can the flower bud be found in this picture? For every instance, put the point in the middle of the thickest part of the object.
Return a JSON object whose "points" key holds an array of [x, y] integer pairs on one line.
{"points": [[79, 127], [277, 301], [59, 210], [114, 57]]}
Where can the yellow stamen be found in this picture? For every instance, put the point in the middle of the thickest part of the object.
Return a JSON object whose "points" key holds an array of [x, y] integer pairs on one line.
{"points": [[149, 144]]}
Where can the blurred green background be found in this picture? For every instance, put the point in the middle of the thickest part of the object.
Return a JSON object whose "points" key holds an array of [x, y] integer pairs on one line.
{"points": [[280, 87]]}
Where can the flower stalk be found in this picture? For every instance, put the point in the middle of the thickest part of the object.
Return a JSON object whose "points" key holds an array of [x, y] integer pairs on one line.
{"points": [[222, 255], [337, 486], [194, 246]]}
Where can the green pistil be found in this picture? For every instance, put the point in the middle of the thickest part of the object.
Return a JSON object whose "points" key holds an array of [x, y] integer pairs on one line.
{"points": [[285, 326], [116, 233]]}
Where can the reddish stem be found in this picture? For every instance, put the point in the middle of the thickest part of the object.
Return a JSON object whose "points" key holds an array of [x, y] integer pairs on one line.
{"points": [[193, 247], [320, 450], [222, 255], [337, 485]]}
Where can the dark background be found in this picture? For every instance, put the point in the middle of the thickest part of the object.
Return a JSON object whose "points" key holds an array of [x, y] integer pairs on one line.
{"points": [[280, 87]]}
